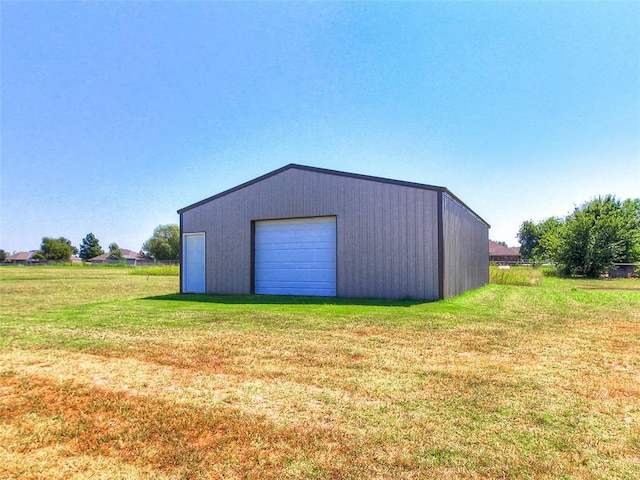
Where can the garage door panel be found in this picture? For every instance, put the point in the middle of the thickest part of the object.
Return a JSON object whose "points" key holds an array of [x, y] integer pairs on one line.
{"points": [[293, 230], [295, 275], [296, 256], [292, 246], [302, 236], [312, 289], [302, 223], [292, 265], [311, 292], [300, 229], [308, 285]]}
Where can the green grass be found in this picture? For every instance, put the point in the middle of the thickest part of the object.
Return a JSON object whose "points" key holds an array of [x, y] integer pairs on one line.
{"points": [[519, 275], [167, 270], [104, 374]]}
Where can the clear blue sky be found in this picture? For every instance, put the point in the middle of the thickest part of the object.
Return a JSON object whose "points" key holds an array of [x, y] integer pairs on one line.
{"points": [[116, 114]]}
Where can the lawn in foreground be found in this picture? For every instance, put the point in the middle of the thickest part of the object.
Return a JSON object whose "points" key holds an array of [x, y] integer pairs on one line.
{"points": [[109, 375]]}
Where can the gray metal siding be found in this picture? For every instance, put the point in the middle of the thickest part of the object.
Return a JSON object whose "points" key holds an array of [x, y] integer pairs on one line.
{"points": [[466, 249], [386, 234]]}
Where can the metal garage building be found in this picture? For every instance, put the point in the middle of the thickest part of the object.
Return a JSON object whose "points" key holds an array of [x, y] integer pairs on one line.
{"points": [[303, 230]]}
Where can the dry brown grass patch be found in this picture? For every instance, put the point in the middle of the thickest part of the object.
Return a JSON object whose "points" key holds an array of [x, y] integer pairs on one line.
{"points": [[501, 383], [174, 438]]}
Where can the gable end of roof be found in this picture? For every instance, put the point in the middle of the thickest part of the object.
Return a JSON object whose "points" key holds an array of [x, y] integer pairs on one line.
{"points": [[326, 171]]}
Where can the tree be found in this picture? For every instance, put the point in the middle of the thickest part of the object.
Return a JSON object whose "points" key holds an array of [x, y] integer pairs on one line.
{"points": [[631, 228], [115, 253], [538, 241], [165, 243], [598, 234], [90, 247], [3, 255], [57, 249], [588, 241], [529, 237]]}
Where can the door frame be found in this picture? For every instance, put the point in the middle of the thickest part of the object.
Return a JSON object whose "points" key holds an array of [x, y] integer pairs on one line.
{"points": [[253, 245], [184, 274]]}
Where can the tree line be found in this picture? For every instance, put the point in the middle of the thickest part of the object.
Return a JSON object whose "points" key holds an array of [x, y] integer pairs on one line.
{"points": [[164, 244], [588, 241]]}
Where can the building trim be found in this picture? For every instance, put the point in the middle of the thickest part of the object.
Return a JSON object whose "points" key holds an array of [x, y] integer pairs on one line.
{"points": [[252, 262], [181, 256], [441, 251]]}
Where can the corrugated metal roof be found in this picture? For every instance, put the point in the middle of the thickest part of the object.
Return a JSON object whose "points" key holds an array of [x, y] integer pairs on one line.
{"points": [[333, 172]]}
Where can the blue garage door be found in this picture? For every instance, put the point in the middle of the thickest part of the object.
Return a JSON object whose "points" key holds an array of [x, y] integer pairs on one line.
{"points": [[296, 256]]}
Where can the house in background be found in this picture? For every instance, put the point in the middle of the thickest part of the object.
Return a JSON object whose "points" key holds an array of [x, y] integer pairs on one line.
{"points": [[624, 270], [303, 230], [27, 258], [130, 258], [22, 258], [501, 255]]}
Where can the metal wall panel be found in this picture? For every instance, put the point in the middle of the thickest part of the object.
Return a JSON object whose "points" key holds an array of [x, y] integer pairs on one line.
{"points": [[386, 233], [466, 249]]}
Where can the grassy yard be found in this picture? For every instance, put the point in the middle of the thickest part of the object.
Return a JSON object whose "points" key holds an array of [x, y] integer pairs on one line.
{"points": [[109, 375]]}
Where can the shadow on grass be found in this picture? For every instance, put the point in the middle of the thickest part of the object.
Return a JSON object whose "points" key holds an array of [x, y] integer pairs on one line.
{"points": [[282, 300]]}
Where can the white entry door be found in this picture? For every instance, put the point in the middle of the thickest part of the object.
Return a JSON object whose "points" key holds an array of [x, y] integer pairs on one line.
{"points": [[193, 255], [296, 256]]}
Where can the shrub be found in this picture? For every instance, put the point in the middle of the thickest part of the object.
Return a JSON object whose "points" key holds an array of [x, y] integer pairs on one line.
{"points": [[524, 276], [549, 271]]}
